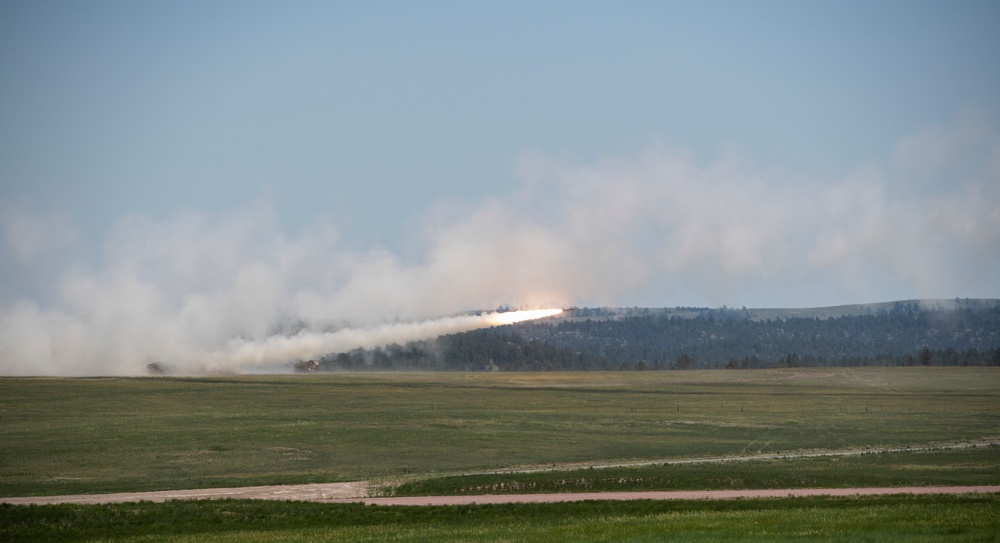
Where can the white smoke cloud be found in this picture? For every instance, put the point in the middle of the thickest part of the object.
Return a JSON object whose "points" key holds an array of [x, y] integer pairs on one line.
{"points": [[30, 237], [658, 228], [926, 224], [309, 345]]}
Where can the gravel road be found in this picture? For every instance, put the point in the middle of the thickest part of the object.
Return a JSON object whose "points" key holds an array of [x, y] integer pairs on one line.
{"points": [[674, 495], [356, 492]]}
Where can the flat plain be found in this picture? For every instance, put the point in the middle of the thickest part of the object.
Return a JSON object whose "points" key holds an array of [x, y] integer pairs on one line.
{"points": [[68, 436], [496, 433]]}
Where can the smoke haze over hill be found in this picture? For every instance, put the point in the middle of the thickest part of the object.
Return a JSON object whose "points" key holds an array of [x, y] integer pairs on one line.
{"points": [[658, 227]]}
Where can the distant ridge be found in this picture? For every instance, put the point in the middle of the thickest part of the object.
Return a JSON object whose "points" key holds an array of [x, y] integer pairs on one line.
{"points": [[826, 312], [878, 308], [953, 332]]}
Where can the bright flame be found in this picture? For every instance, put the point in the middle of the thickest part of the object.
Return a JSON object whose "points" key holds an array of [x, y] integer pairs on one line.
{"points": [[511, 317]]}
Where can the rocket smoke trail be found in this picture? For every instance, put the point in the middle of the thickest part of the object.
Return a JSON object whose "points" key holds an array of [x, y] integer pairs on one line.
{"points": [[242, 354]]}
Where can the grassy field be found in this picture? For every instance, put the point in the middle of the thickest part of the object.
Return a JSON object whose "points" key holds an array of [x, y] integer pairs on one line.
{"points": [[109, 434], [978, 466], [887, 518]]}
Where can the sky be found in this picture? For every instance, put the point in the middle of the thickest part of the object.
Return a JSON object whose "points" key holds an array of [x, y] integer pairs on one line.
{"points": [[193, 172]]}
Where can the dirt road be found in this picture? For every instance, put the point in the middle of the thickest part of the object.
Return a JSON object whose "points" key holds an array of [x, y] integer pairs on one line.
{"points": [[675, 495], [356, 492]]}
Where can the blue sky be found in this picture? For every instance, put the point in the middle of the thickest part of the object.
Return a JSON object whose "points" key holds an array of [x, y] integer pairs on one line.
{"points": [[335, 160]]}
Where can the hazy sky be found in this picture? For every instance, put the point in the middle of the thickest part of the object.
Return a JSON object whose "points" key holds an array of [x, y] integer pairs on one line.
{"points": [[211, 168]]}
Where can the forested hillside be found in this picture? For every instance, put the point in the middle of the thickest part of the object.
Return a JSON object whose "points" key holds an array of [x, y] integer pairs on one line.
{"points": [[480, 350], [907, 334]]}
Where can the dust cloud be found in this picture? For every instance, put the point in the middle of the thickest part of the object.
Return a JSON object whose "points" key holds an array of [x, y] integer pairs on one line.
{"points": [[656, 228]]}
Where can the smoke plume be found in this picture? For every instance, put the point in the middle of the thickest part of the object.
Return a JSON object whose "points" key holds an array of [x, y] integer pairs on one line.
{"points": [[306, 345], [656, 228]]}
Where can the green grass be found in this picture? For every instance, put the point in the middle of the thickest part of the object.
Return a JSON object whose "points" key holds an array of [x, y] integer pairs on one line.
{"points": [[112, 434], [979, 466], [876, 519]]}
